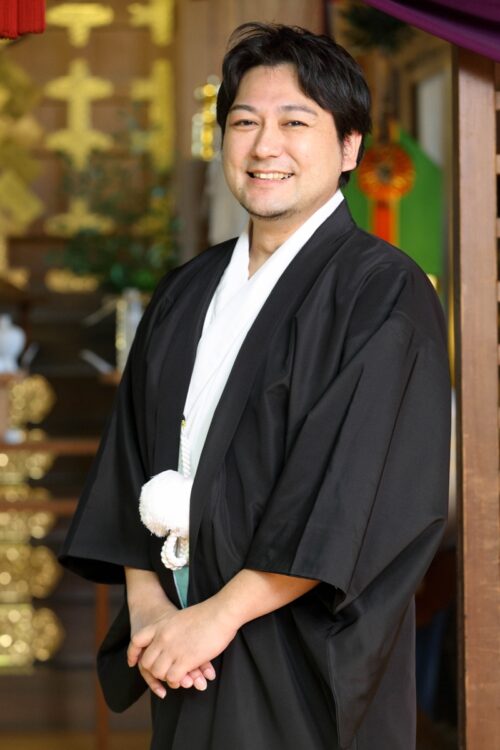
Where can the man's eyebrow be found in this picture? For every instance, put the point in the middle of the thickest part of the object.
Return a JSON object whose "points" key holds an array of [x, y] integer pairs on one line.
{"points": [[283, 108], [299, 108], [246, 107]]}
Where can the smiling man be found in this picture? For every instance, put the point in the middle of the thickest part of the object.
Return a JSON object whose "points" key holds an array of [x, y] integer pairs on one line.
{"points": [[273, 481]]}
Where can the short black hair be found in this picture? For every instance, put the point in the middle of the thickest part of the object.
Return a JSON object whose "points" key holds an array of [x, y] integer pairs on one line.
{"points": [[326, 73]]}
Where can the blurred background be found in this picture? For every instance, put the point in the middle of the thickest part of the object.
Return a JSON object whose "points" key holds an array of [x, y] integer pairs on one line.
{"points": [[110, 176]]}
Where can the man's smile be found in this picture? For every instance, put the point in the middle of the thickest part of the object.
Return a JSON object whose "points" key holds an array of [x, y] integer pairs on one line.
{"points": [[270, 175]]}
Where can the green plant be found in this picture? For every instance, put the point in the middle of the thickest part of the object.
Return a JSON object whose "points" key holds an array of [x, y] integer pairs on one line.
{"points": [[124, 188], [371, 29]]}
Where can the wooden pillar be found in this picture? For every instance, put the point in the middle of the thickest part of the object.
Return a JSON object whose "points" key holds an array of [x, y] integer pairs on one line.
{"points": [[476, 301], [101, 628]]}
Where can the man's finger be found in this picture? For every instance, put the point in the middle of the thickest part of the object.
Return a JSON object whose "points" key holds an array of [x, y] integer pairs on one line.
{"points": [[208, 670], [133, 654], [143, 637], [196, 678], [154, 684]]}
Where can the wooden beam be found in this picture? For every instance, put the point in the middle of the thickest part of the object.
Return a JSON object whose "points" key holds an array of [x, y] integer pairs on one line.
{"points": [[477, 395], [59, 446]]}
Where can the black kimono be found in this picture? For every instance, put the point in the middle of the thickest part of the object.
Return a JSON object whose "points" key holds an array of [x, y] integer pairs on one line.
{"points": [[327, 458]]}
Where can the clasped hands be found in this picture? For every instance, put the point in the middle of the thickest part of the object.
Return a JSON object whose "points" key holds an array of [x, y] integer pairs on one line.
{"points": [[177, 646]]}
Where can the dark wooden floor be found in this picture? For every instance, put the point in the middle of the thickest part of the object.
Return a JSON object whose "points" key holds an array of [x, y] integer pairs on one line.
{"points": [[71, 741]]}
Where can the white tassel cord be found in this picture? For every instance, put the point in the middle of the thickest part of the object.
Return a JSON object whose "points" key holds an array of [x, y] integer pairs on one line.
{"points": [[164, 508]]}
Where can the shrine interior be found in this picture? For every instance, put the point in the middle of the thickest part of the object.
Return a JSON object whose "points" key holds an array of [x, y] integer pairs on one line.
{"points": [[110, 176]]}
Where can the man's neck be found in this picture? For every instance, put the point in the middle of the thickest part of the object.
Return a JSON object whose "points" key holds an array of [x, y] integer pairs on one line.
{"points": [[266, 236]]}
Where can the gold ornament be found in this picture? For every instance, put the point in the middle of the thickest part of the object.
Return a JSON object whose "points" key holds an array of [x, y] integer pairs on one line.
{"points": [[79, 89], [17, 277], [77, 218], [64, 281], [80, 19], [31, 399], [4, 95], [158, 15], [19, 206], [27, 634], [17, 466], [204, 122], [19, 526], [158, 91], [26, 572]]}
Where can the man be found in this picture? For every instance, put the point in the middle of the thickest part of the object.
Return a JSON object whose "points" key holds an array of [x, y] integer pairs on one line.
{"points": [[307, 365]]}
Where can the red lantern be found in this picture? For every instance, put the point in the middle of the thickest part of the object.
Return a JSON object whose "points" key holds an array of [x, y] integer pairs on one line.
{"points": [[19, 17]]}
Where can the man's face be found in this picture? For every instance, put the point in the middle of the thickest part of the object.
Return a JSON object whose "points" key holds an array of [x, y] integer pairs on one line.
{"points": [[281, 154]]}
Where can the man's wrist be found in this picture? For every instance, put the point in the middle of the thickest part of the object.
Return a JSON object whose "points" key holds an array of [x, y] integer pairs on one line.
{"points": [[143, 586]]}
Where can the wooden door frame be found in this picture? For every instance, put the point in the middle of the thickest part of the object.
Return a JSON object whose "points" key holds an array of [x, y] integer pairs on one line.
{"points": [[476, 326]]}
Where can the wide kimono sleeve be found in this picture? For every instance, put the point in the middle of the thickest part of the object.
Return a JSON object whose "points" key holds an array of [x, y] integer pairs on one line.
{"points": [[362, 500], [106, 532]]}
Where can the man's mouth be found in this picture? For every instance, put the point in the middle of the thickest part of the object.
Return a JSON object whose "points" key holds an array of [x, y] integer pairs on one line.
{"points": [[271, 175]]}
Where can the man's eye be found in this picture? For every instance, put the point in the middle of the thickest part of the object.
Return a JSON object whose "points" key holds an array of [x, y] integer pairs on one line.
{"points": [[295, 123], [243, 123]]}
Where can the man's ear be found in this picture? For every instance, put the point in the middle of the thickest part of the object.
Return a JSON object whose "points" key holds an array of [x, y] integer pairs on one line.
{"points": [[350, 148]]}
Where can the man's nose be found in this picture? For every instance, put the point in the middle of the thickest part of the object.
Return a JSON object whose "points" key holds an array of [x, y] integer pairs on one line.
{"points": [[268, 141]]}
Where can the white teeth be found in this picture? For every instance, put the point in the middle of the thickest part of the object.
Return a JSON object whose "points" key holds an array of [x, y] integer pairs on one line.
{"points": [[271, 175]]}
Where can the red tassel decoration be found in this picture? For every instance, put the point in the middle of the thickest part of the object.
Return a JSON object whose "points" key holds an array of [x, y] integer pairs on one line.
{"points": [[31, 16], [8, 19], [21, 17]]}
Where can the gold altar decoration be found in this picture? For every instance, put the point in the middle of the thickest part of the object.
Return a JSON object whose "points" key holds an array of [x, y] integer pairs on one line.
{"points": [[31, 399], [17, 136], [158, 15], [19, 206], [79, 89], [158, 91], [18, 277], [17, 525], [204, 122], [7, 380], [17, 466], [27, 571], [80, 19], [64, 281], [27, 634], [19, 132], [78, 217]]}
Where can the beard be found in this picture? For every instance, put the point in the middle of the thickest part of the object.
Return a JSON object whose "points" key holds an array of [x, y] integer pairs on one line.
{"points": [[269, 215]]}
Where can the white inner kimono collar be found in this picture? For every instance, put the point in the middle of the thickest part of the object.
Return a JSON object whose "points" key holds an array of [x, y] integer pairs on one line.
{"points": [[235, 305]]}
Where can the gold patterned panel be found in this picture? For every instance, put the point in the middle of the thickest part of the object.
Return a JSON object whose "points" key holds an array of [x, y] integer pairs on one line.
{"points": [[18, 277], [80, 19], [78, 217], [79, 89], [19, 206], [158, 91], [27, 634], [26, 572], [158, 15]]}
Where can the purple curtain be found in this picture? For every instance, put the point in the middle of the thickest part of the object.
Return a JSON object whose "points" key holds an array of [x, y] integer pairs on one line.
{"points": [[473, 24]]}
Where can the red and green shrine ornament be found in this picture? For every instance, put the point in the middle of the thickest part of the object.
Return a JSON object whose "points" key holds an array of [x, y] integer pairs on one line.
{"points": [[397, 194]]}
